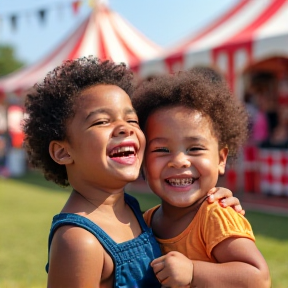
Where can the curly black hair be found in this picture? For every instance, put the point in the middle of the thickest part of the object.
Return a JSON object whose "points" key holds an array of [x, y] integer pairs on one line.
{"points": [[201, 90], [52, 103]]}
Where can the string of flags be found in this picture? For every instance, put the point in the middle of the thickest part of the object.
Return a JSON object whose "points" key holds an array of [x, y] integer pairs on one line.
{"points": [[41, 13]]}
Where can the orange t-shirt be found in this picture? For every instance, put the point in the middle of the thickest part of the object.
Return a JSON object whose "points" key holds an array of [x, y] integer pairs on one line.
{"points": [[211, 225]]}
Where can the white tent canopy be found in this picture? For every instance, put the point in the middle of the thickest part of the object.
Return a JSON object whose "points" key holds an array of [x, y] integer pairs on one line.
{"points": [[104, 34], [249, 32]]}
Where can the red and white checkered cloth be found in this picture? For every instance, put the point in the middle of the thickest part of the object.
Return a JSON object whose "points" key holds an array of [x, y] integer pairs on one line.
{"points": [[273, 171]]}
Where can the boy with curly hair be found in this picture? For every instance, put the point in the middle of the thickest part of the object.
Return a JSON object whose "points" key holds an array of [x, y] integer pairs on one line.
{"points": [[83, 131], [192, 123]]}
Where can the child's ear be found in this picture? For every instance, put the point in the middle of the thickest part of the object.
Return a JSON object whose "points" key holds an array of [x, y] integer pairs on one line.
{"points": [[223, 154], [58, 152]]}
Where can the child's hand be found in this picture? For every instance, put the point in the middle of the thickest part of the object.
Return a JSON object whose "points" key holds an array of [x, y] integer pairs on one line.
{"points": [[225, 198], [173, 270]]}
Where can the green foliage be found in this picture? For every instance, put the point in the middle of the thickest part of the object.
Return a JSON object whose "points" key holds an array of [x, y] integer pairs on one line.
{"points": [[8, 61], [28, 204]]}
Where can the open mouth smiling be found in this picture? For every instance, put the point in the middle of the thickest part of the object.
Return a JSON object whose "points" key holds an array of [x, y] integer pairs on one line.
{"points": [[181, 181], [124, 151]]}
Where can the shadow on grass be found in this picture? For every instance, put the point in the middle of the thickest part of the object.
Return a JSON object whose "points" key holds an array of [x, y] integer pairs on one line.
{"points": [[265, 224]]}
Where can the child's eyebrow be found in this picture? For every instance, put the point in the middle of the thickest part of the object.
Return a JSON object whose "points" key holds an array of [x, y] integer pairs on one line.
{"points": [[109, 111], [188, 139], [158, 140], [197, 139]]}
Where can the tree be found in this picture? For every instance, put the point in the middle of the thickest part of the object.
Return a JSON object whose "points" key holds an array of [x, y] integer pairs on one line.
{"points": [[8, 60]]}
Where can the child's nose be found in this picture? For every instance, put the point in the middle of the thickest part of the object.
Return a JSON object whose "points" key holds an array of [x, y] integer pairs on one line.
{"points": [[124, 130], [180, 161]]}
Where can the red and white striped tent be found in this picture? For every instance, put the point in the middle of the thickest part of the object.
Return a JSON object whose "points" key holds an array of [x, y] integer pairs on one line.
{"points": [[104, 34], [250, 31]]}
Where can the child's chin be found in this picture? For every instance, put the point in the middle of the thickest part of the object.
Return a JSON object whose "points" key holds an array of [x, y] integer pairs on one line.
{"points": [[131, 177]]}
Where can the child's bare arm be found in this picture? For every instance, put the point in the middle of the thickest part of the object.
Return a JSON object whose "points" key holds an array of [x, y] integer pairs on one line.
{"points": [[225, 198], [76, 259], [240, 265]]}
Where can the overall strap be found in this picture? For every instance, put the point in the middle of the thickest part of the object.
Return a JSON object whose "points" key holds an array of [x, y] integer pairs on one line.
{"points": [[80, 221], [134, 205]]}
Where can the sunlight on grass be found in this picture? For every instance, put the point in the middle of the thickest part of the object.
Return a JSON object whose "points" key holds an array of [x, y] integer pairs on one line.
{"points": [[276, 254], [26, 213]]}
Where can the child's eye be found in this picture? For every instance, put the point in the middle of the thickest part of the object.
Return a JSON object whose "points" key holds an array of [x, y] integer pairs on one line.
{"points": [[100, 122], [133, 122], [161, 149], [195, 149]]}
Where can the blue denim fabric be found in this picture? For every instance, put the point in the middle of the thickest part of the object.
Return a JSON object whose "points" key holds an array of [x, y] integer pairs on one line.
{"points": [[131, 258]]}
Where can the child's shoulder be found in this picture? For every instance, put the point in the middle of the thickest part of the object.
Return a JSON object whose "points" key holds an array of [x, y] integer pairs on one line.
{"points": [[149, 214], [215, 207], [226, 220], [215, 210], [75, 248]]}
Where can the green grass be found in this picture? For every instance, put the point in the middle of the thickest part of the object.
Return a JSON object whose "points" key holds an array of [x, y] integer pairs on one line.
{"points": [[27, 205]]}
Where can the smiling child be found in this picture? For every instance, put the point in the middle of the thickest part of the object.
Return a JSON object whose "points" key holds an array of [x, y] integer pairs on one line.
{"points": [[192, 123]]}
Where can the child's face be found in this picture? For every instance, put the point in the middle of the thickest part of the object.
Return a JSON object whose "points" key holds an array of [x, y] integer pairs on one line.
{"points": [[105, 141], [182, 160]]}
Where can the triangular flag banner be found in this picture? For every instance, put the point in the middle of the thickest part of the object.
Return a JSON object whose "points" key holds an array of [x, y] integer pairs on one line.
{"points": [[42, 14], [75, 6], [92, 3], [13, 19]]}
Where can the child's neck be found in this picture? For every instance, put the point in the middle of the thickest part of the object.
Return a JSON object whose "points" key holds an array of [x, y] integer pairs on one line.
{"points": [[85, 203], [169, 221]]}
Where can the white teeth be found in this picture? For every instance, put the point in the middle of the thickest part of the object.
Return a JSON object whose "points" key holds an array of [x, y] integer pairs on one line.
{"points": [[181, 182], [122, 150]]}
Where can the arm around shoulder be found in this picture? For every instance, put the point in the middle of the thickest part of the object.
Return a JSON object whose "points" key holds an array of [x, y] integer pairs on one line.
{"points": [[76, 259]]}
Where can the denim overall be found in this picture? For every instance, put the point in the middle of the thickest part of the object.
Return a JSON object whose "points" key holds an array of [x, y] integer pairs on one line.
{"points": [[131, 258]]}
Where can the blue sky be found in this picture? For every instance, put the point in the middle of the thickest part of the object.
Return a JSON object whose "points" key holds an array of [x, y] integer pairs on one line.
{"points": [[163, 21]]}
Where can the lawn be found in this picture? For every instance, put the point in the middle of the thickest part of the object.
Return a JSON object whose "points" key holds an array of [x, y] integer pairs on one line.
{"points": [[27, 205]]}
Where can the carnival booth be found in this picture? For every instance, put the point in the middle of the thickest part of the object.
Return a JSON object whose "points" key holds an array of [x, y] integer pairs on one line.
{"points": [[249, 46], [104, 34]]}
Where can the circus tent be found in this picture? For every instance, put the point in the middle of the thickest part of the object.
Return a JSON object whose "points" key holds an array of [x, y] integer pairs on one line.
{"points": [[104, 34], [249, 32]]}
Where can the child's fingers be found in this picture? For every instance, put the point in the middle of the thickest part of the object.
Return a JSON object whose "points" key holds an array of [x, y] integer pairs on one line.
{"points": [[158, 260], [160, 273], [157, 267], [232, 201], [217, 193], [238, 208], [211, 198]]}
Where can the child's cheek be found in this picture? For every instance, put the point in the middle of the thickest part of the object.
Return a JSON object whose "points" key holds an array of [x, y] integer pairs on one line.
{"points": [[205, 166]]}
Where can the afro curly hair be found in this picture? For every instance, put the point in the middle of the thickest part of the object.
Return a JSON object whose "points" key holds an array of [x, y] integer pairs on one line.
{"points": [[52, 103], [199, 90]]}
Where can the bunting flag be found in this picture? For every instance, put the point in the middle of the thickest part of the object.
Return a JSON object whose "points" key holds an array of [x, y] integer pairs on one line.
{"points": [[42, 13], [75, 6], [92, 3], [14, 21]]}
